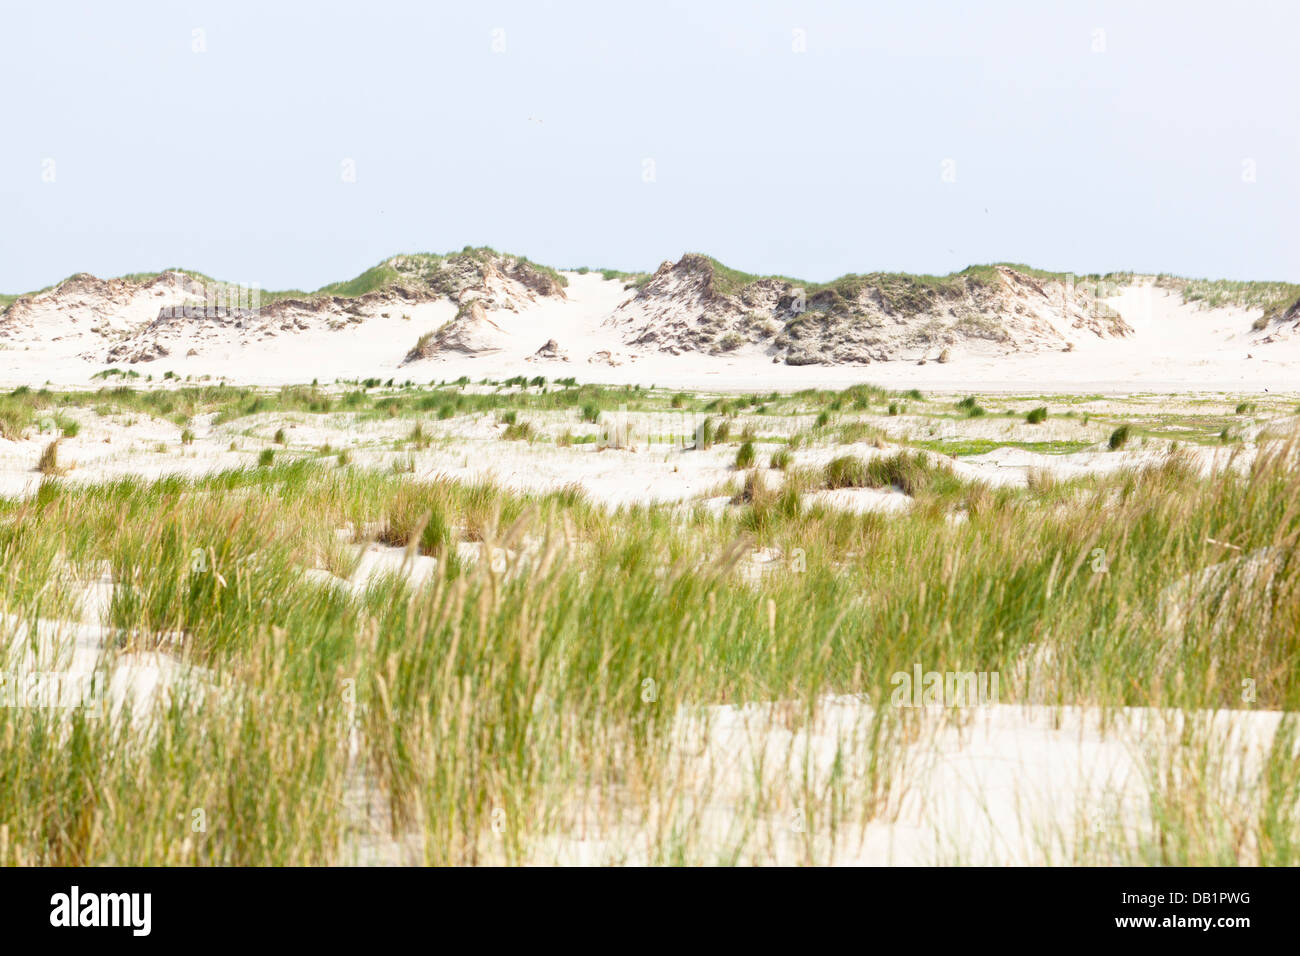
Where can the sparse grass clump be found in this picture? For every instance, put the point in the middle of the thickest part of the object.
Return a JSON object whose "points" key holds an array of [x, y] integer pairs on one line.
{"points": [[17, 410], [1040, 481], [418, 517], [705, 435], [1118, 438], [853, 432], [753, 489], [1037, 416], [910, 472], [266, 458], [49, 460], [745, 456], [847, 471]]}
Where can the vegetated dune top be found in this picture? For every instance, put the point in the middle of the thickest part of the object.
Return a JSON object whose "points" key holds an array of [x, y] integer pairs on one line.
{"points": [[694, 321], [696, 305]]}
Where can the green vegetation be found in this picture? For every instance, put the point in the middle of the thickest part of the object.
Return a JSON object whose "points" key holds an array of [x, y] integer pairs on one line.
{"points": [[1272, 298], [545, 661], [705, 435], [518, 431], [49, 460], [965, 447], [910, 473], [418, 269], [511, 684], [903, 293]]}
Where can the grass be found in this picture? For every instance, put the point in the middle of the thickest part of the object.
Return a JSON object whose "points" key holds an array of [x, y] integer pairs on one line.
{"points": [[904, 293], [48, 464], [417, 517], [965, 447], [1271, 297], [518, 431], [705, 435], [444, 274], [516, 681], [513, 685], [369, 400], [910, 472], [860, 431], [19, 409]]}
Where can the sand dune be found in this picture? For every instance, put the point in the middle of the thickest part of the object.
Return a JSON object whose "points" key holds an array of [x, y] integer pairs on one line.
{"points": [[497, 316]]}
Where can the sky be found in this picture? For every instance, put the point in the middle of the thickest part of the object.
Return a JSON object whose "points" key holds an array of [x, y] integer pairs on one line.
{"points": [[295, 144]]}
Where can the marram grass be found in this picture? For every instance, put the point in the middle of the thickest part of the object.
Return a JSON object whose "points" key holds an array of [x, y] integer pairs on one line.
{"points": [[539, 694]]}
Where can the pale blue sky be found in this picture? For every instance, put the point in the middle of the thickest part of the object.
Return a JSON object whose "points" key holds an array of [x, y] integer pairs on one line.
{"points": [[812, 164]]}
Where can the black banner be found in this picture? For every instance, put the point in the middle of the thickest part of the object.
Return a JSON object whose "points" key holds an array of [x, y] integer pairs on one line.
{"points": [[339, 906]]}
